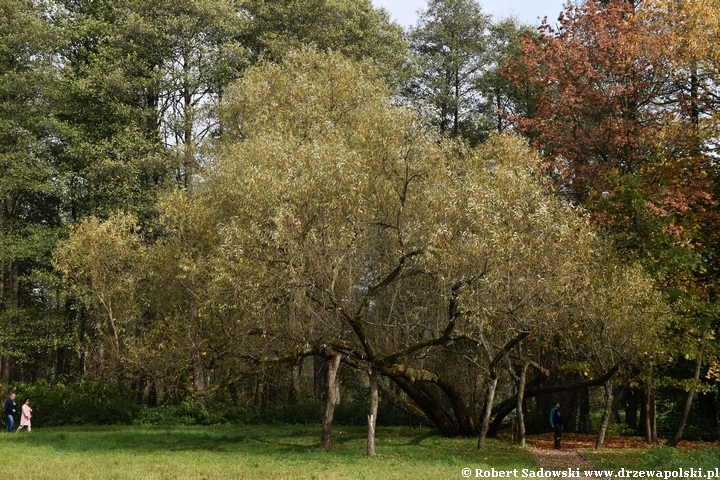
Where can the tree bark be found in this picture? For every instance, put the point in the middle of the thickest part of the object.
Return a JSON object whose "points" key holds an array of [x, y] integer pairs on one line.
{"points": [[372, 417], [571, 412], [259, 391], [489, 398], [631, 409], [295, 388], [320, 376], [653, 411], [434, 411], [647, 401], [5, 374], [606, 416], [403, 404], [465, 422], [198, 377], [688, 404], [519, 404], [330, 401], [584, 410]]}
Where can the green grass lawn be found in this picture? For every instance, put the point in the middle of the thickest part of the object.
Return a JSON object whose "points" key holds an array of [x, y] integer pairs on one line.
{"points": [[658, 458], [247, 452]]}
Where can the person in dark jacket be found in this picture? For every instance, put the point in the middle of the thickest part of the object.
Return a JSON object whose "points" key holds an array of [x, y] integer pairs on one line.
{"points": [[556, 422], [10, 410]]}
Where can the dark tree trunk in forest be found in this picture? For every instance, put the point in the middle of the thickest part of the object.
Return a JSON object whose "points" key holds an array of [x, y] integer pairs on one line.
{"points": [[148, 392], [5, 374], [320, 377], [571, 409], [372, 416], [232, 390], [259, 392], [688, 404], [428, 403], [584, 409], [330, 401], [649, 409], [198, 378], [647, 413], [463, 417], [709, 413], [294, 395], [631, 419], [606, 416]]}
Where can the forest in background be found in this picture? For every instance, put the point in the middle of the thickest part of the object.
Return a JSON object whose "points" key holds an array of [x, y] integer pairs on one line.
{"points": [[271, 206]]}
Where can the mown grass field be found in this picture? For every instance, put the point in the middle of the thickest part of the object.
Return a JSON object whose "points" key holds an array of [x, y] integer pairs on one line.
{"points": [[273, 452], [690, 456]]}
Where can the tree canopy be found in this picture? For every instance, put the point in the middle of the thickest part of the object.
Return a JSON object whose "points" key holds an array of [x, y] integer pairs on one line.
{"points": [[334, 223]]}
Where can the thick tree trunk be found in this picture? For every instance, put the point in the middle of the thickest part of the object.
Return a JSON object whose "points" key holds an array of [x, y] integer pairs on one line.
{"points": [[489, 398], [435, 412], [688, 403], [372, 417], [402, 403], [330, 401], [606, 416], [465, 421]]}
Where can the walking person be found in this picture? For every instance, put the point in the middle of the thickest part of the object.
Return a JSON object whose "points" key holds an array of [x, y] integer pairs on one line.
{"points": [[10, 410], [556, 422], [25, 416]]}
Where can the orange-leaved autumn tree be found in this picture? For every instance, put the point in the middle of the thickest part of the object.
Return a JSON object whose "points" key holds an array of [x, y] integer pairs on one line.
{"points": [[618, 121]]}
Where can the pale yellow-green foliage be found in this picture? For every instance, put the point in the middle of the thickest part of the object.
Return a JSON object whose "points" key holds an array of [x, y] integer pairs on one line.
{"points": [[686, 37], [694, 28], [103, 259], [322, 187], [319, 192]]}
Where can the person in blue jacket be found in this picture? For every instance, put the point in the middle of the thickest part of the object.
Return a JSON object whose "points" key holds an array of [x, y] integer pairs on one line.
{"points": [[556, 422], [10, 410]]}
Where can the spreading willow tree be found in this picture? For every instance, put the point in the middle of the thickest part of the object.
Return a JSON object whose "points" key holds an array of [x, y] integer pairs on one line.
{"points": [[332, 223], [343, 225]]}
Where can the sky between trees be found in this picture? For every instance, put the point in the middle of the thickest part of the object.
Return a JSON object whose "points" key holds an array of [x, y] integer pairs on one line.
{"points": [[527, 11]]}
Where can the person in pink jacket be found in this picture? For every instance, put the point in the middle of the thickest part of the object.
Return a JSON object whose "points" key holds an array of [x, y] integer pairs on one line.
{"points": [[25, 416]]}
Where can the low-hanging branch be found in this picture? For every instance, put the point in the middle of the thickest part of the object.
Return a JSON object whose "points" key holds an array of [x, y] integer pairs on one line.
{"points": [[403, 404], [502, 409], [444, 338]]}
